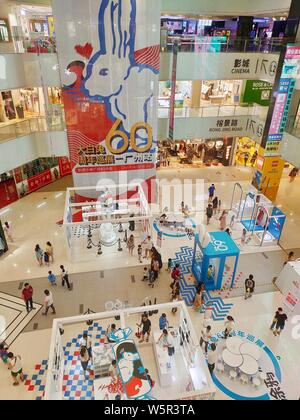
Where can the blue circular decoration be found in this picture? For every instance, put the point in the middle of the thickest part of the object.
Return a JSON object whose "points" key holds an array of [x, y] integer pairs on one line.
{"points": [[268, 353]]}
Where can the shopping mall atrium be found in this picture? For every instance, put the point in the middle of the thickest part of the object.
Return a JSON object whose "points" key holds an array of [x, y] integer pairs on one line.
{"points": [[149, 200]]}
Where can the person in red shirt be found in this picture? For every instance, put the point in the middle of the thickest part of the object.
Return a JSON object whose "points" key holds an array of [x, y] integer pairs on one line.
{"points": [[27, 294]]}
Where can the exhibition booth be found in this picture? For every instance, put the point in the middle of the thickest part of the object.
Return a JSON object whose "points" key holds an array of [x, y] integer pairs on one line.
{"points": [[104, 224], [258, 215], [197, 153], [215, 253], [147, 371]]}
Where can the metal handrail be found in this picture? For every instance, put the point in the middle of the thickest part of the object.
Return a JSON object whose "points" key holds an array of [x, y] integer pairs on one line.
{"points": [[214, 111], [208, 44]]}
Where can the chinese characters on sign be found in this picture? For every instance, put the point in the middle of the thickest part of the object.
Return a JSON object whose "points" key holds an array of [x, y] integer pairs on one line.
{"points": [[228, 125], [261, 66], [274, 387], [39, 181]]}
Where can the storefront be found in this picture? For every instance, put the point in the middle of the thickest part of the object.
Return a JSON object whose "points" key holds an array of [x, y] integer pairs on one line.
{"points": [[196, 153], [195, 94], [246, 152], [19, 104], [39, 173]]}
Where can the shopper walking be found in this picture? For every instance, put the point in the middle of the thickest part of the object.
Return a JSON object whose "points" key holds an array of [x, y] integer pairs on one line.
{"points": [[46, 259], [84, 359], [52, 278], [140, 253], [209, 213], [167, 342], [27, 294], [4, 350], [294, 172], [163, 322], [281, 319], [146, 328], [274, 322], [86, 342], [8, 231], [229, 326], [215, 204], [223, 220], [211, 192], [244, 237], [65, 277], [205, 338], [212, 358], [39, 254], [249, 287], [198, 301], [16, 368], [148, 246], [130, 244], [290, 258], [50, 251], [48, 303], [114, 371]]}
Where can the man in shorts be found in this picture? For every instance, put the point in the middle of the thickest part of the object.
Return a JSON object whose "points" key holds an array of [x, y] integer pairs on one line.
{"points": [[15, 367], [146, 328]]}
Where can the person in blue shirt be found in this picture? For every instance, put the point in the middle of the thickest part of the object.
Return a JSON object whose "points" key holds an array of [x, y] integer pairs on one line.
{"points": [[163, 322], [211, 192], [52, 278]]}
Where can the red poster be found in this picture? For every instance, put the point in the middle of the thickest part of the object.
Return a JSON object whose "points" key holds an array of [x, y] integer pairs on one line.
{"points": [[39, 181], [64, 166], [18, 175]]}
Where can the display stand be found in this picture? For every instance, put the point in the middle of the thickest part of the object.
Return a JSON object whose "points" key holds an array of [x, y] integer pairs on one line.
{"points": [[288, 282], [216, 254], [193, 380]]}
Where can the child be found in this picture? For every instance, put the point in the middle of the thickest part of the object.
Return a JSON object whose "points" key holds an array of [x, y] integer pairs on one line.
{"points": [[52, 278], [46, 259], [140, 252], [243, 238], [169, 265], [145, 275], [4, 352]]}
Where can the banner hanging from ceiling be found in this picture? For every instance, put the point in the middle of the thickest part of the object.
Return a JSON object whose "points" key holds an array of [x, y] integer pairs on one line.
{"points": [[109, 63]]}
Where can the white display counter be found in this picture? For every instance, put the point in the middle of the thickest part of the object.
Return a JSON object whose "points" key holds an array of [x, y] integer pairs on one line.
{"points": [[165, 363], [288, 282], [102, 358]]}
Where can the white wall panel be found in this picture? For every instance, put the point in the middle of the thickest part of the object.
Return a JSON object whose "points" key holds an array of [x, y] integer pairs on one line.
{"points": [[14, 153], [28, 70], [220, 66]]}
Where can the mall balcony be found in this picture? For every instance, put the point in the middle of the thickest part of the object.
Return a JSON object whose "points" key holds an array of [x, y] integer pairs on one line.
{"points": [[290, 146]]}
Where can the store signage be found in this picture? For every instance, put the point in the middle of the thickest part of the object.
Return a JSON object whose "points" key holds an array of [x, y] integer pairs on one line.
{"points": [[110, 115], [39, 181], [272, 147], [257, 91], [215, 127], [262, 66], [64, 166]]}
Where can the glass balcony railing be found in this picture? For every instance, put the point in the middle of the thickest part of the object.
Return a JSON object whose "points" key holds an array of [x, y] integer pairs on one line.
{"points": [[13, 130], [212, 44], [37, 44], [293, 126], [215, 111]]}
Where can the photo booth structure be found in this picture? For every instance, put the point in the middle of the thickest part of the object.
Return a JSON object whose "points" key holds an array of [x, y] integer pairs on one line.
{"points": [[105, 222], [125, 349], [219, 253], [257, 214]]}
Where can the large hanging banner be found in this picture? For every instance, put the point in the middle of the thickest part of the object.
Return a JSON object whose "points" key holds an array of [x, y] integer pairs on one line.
{"points": [[109, 63]]}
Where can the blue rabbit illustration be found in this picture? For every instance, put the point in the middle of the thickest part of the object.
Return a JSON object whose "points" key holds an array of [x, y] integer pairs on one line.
{"points": [[113, 76]]}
